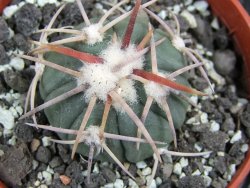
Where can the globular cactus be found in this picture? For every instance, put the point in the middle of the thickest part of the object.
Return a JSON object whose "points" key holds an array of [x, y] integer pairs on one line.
{"points": [[113, 82]]}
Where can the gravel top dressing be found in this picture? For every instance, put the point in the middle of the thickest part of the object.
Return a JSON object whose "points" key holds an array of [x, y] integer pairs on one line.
{"points": [[219, 122]]}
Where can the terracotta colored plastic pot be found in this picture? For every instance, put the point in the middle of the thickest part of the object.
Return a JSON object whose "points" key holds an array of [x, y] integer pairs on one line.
{"points": [[3, 4], [237, 20]]}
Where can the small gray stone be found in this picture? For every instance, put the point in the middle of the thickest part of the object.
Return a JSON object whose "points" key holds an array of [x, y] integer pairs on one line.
{"points": [[108, 174], [74, 171], [224, 61], [245, 117], [4, 59], [16, 81], [215, 141], [228, 124], [55, 162], [221, 38], [43, 154], [220, 164], [167, 170], [63, 152], [24, 132], [21, 42], [203, 32], [27, 19], [191, 181], [4, 34]]}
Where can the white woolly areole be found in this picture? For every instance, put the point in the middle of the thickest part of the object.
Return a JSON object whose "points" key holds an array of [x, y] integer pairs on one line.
{"points": [[122, 62], [93, 34], [127, 91], [156, 90], [91, 136], [117, 65], [178, 43], [100, 80]]}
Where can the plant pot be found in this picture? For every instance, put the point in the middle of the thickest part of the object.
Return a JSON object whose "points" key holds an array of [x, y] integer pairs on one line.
{"points": [[237, 20], [3, 4]]}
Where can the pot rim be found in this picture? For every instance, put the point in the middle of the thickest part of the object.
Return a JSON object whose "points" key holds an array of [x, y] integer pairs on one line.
{"points": [[237, 21]]}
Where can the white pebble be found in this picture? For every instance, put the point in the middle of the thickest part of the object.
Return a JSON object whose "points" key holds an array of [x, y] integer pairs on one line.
{"points": [[207, 180], [132, 183], [109, 185], [177, 169], [146, 171], [221, 153], [1, 153], [19, 110], [41, 3], [34, 164], [10, 10], [153, 183], [189, 18], [188, 2], [99, 6], [184, 162], [40, 176], [190, 8], [12, 141], [37, 183], [236, 137], [194, 99], [232, 169], [17, 63], [6, 118], [214, 126], [96, 169], [209, 53], [230, 133], [162, 14], [7, 132], [46, 141], [213, 74], [141, 164], [215, 24], [85, 173], [208, 168], [47, 177], [43, 186], [50, 170], [69, 1], [176, 9], [203, 161], [192, 121], [31, 1], [204, 118], [244, 148], [158, 181], [196, 173], [182, 175], [118, 183], [117, 174], [13, 111], [201, 6], [197, 147]]}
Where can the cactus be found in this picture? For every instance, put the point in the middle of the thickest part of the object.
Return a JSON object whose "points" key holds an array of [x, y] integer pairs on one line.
{"points": [[107, 86]]}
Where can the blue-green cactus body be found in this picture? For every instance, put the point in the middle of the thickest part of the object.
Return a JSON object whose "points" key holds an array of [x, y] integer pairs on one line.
{"points": [[69, 113]]}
